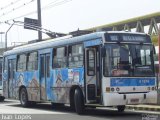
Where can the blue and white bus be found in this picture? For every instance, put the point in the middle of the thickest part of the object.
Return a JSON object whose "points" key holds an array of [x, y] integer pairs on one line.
{"points": [[97, 69], [1, 86]]}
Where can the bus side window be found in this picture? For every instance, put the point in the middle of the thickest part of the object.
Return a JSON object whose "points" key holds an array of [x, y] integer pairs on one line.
{"points": [[32, 61], [1, 71], [59, 57], [106, 63], [5, 64], [75, 55], [21, 62]]}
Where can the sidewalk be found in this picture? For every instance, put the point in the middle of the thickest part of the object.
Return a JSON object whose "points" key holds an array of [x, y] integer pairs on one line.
{"points": [[144, 107]]}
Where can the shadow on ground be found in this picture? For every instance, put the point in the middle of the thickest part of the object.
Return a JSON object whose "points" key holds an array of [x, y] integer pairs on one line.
{"points": [[92, 112]]}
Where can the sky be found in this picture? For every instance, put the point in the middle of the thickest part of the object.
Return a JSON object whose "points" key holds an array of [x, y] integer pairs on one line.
{"points": [[69, 15]]}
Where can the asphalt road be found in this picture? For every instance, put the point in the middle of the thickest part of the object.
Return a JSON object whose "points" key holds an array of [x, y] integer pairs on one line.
{"points": [[12, 110]]}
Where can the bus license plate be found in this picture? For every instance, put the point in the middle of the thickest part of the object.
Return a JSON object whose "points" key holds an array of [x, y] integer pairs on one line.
{"points": [[134, 100]]}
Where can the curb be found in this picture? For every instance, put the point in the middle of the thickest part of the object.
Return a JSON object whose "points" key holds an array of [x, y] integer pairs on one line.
{"points": [[147, 108]]}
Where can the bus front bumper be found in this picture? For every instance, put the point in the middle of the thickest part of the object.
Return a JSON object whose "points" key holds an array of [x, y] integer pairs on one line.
{"points": [[115, 99]]}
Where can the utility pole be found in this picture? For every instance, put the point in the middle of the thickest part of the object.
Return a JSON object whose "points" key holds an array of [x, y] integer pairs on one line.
{"points": [[6, 36], [39, 19]]}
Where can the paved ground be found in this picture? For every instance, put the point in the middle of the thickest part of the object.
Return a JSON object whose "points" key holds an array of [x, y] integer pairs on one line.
{"points": [[144, 107], [12, 110]]}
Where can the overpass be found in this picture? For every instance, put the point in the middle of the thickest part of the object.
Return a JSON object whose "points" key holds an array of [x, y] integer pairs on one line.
{"points": [[140, 24]]}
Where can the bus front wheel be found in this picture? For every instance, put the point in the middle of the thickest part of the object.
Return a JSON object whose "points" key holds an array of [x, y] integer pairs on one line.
{"points": [[24, 97], [1, 98], [79, 102], [121, 108]]}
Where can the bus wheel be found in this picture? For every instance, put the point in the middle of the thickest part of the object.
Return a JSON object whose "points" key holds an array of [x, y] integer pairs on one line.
{"points": [[121, 108], [79, 102], [24, 98], [1, 99], [72, 105]]}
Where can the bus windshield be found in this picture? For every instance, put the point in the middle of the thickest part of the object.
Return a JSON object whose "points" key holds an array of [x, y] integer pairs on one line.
{"points": [[128, 60]]}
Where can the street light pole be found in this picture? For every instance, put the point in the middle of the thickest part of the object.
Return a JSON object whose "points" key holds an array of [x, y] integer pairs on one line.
{"points": [[6, 36], [39, 19]]}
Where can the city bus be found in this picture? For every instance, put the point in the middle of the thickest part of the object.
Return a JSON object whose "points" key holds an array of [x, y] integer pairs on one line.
{"points": [[93, 70], [1, 87]]}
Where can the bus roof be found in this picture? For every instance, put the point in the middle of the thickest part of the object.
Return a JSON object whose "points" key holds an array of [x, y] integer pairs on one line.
{"points": [[60, 41], [53, 42]]}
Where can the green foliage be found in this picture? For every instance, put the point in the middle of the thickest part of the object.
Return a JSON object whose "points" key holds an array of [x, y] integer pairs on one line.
{"points": [[155, 39]]}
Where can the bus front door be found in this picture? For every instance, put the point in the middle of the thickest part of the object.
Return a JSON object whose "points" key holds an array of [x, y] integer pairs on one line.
{"points": [[44, 75], [91, 78]]}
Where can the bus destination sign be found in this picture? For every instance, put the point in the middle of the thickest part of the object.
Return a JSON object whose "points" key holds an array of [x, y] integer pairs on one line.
{"points": [[121, 37], [135, 38]]}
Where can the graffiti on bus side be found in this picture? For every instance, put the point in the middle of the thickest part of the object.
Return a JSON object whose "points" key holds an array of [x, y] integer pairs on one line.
{"points": [[63, 80]]}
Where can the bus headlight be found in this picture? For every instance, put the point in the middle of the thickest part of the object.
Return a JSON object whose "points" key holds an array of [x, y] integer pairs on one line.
{"points": [[117, 89], [107, 89], [112, 89]]}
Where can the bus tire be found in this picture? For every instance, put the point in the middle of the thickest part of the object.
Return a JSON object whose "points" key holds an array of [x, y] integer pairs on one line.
{"points": [[121, 108], [24, 97], [72, 104], [79, 102], [1, 99]]}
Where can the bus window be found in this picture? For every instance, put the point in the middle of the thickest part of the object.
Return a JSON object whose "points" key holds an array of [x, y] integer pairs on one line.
{"points": [[124, 58], [42, 67], [5, 64], [146, 60], [47, 65], [136, 60], [32, 62], [91, 62], [59, 58], [76, 56], [1, 71], [21, 62]]}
